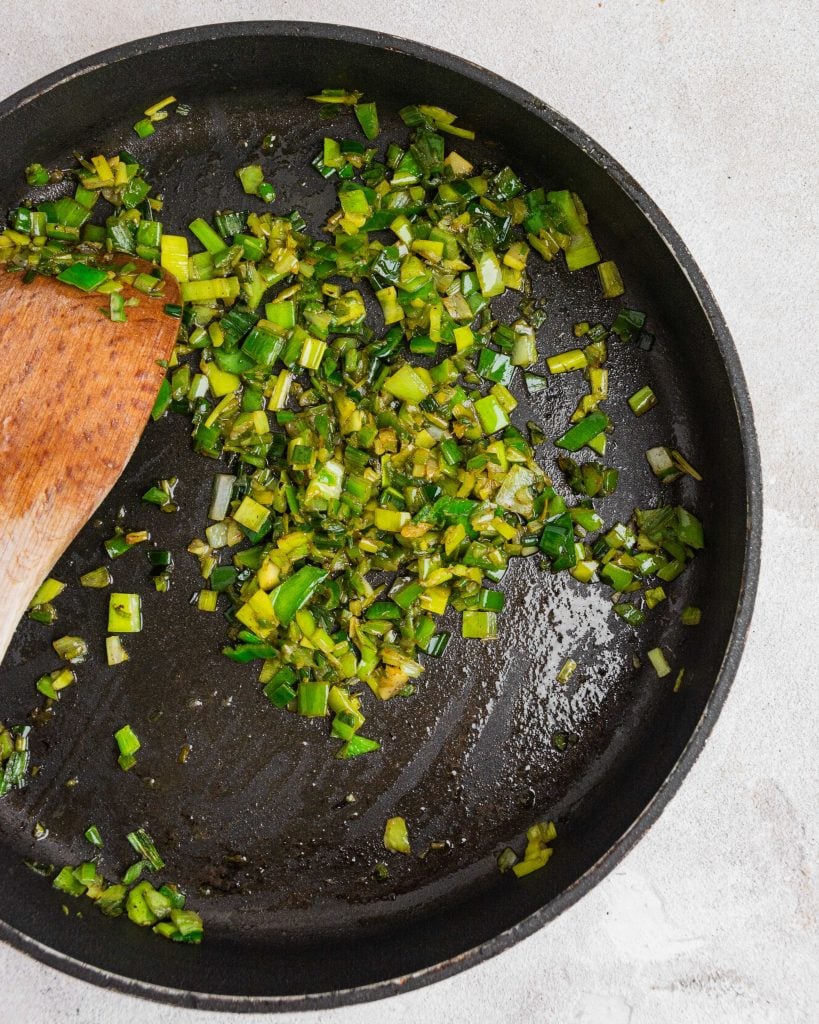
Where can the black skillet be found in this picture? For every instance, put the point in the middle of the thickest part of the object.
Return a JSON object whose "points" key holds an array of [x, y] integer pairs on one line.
{"points": [[256, 820]]}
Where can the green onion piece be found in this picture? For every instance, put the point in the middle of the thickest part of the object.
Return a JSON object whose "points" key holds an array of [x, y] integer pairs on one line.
{"points": [[111, 901], [81, 276], [134, 871], [116, 308], [616, 576], [643, 400], [295, 592], [47, 591], [163, 400], [253, 183], [507, 859], [535, 383], [124, 613], [357, 745], [581, 433], [339, 96], [72, 648], [188, 924], [221, 494], [144, 846], [659, 662], [207, 600], [128, 746], [144, 127], [36, 174], [479, 625], [663, 465], [116, 546], [610, 280], [628, 324], [491, 415], [114, 651], [312, 699], [206, 235], [631, 613], [136, 906], [92, 834], [367, 116], [396, 836], [691, 615], [684, 465], [97, 578], [66, 882], [567, 671], [563, 362], [408, 384], [45, 613]]}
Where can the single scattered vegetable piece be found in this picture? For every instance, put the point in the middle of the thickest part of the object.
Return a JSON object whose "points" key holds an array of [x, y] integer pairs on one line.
{"points": [[145, 847], [92, 834], [114, 651], [50, 685], [663, 465], [144, 127], [47, 592], [691, 615], [643, 400], [563, 362], [567, 670], [396, 836], [340, 96], [367, 116], [507, 859], [134, 872], [72, 648], [537, 853], [124, 613], [659, 662], [610, 281], [581, 433], [128, 745]]}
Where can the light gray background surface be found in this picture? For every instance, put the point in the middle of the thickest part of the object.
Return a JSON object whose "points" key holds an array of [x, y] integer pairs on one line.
{"points": [[712, 107]]}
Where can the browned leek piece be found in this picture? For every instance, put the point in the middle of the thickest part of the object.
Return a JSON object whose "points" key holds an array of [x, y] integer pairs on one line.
{"points": [[76, 391]]}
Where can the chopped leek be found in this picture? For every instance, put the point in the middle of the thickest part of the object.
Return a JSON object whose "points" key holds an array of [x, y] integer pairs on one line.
{"points": [[659, 662], [396, 836], [376, 472]]}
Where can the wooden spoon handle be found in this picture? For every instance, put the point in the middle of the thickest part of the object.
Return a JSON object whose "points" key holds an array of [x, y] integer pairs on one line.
{"points": [[77, 390]]}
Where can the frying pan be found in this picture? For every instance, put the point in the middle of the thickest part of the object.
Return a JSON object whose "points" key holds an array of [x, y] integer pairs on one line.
{"points": [[259, 825]]}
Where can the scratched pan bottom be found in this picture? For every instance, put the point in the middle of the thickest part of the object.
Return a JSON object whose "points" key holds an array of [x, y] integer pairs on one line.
{"points": [[257, 825]]}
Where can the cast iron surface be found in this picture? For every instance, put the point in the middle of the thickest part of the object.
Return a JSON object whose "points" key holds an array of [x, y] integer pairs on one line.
{"points": [[255, 825]]}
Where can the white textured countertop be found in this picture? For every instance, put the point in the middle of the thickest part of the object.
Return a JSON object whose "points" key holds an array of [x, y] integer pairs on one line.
{"points": [[715, 915]]}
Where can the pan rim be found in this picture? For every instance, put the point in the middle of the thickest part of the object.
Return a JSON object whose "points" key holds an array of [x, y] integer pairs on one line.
{"points": [[753, 529]]}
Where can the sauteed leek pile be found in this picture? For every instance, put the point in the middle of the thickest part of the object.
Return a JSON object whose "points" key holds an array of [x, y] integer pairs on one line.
{"points": [[358, 389]]}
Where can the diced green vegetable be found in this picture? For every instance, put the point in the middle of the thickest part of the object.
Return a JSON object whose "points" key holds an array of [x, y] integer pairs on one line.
{"points": [[373, 477], [659, 662], [396, 836]]}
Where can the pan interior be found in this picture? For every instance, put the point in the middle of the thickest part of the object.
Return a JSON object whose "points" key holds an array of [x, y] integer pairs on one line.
{"points": [[259, 821]]}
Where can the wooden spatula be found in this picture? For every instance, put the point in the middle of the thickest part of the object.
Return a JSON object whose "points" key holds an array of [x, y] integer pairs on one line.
{"points": [[76, 391]]}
